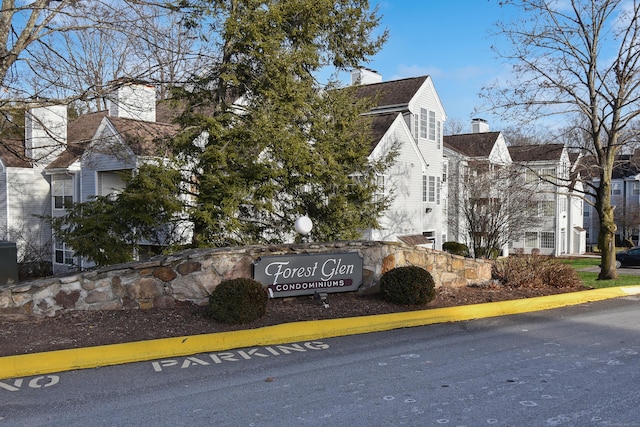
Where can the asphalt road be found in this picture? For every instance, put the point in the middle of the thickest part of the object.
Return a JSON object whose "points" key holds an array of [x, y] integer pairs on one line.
{"points": [[634, 271], [576, 366]]}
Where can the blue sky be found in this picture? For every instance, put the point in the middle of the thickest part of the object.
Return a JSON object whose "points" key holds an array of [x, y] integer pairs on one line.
{"points": [[448, 40]]}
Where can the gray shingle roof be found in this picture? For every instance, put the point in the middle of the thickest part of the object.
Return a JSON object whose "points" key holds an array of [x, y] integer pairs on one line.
{"points": [[12, 153], [380, 123], [144, 138], [532, 153], [396, 92], [472, 144]]}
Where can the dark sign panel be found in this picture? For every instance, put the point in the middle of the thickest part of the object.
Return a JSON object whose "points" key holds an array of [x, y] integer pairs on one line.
{"points": [[291, 275]]}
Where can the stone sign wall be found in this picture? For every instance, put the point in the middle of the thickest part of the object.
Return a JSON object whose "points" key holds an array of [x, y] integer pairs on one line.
{"points": [[191, 276]]}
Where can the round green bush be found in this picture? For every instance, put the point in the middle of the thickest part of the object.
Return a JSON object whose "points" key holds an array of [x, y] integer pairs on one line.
{"points": [[456, 248], [408, 285], [238, 301]]}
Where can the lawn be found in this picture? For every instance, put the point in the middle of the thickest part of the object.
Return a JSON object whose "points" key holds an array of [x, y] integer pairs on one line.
{"points": [[590, 279]]}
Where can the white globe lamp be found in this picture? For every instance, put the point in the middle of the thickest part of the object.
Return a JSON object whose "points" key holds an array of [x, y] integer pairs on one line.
{"points": [[303, 225]]}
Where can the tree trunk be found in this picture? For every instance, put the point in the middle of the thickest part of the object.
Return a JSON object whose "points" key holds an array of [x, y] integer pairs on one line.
{"points": [[607, 238]]}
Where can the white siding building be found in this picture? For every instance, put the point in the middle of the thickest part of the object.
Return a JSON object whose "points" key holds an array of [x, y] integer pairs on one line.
{"points": [[408, 116], [557, 209], [60, 162], [103, 146], [625, 197]]}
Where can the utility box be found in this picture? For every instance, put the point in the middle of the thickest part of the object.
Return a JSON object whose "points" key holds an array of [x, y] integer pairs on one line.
{"points": [[8, 263]]}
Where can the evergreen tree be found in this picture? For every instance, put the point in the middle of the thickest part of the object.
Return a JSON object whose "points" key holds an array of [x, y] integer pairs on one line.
{"points": [[111, 229], [263, 143], [277, 145]]}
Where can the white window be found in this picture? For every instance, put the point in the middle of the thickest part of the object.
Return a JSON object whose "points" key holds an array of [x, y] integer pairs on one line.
{"points": [[438, 188], [62, 191], [432, 189], [438, 133], [416, 126], [424, 188], [380, 182], [444, 172], [530, 239], [547, 208], [562, 201], [424, 123], [636, 188], [615, 189], [432, 125], [548, 175], [110, 183], [530, 176], [547, 239], [64, 255]]}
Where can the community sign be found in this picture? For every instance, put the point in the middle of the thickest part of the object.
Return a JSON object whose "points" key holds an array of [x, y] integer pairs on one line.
{"points": [[291, 275]]}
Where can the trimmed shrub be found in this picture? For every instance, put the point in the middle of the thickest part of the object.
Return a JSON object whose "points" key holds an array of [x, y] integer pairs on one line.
{"points": [[456, 248], [518, 271], [486, 253], [408, 285], [238, 301]]}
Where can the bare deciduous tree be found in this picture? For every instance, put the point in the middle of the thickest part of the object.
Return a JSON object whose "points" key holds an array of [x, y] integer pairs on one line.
{"points": [[491, 199], [455, 126], [70, 52], [577, 59], [171, 50], [144, 42]]}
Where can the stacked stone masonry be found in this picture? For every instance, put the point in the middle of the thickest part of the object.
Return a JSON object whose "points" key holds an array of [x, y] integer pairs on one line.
{"points": [[191, 276]]}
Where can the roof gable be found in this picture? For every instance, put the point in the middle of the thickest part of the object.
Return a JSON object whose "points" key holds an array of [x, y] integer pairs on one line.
{"points": [[143, 138], [386, 141], [79, 135], [416, 101]]}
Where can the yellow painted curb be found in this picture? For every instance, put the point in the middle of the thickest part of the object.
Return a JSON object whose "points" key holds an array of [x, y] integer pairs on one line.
{"points": [[114, 354]]}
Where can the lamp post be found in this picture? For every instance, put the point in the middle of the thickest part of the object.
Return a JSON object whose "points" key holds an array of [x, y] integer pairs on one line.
{"points": [[303, 226]]}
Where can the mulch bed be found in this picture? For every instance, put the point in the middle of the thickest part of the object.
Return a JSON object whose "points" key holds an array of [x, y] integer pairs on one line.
{"points": [[91, 328]]}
